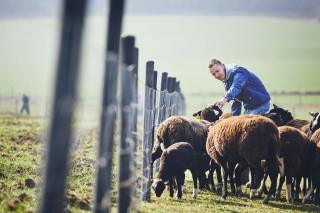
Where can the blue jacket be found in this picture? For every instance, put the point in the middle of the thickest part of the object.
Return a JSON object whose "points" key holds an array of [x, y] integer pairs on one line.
{"points": [[242, 86]]}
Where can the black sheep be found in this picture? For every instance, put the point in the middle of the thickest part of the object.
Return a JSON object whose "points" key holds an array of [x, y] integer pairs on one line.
{"points": [[173, 163]]}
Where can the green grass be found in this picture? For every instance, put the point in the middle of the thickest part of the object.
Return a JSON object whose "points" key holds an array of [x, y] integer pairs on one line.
{"points": [[22, 149]]}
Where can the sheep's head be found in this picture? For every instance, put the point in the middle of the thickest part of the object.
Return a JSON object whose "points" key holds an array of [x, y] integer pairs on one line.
{"points": [[283, 114], [158, 185], [210, 113], [275, 118], [315, 123]]}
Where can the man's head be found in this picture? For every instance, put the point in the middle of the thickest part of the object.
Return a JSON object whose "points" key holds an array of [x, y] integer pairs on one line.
{"points": [[217, 69]]}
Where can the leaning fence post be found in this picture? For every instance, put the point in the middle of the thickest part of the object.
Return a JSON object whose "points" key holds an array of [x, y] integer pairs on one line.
{"points": [[147, 133], [109, 108], [162, 107], [135, 122], [126, 141], [64, 98], [168, 98]]}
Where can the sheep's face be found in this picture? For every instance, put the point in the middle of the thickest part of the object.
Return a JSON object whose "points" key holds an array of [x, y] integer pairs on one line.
{"points": [[210, 113], [315, 123], [158, 186]]}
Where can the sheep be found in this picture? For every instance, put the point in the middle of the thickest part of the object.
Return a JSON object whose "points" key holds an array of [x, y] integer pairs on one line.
{"points": [[173, 163], [177, 128], [315, 138], [249, 140], [297, 159], [210, 113]]}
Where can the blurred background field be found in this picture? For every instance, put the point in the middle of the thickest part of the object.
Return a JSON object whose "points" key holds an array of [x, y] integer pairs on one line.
{"points": [[283, 52]]}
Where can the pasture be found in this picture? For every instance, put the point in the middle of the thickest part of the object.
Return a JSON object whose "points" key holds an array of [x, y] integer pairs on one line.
{"points": [[23, 151], [284, 53]]}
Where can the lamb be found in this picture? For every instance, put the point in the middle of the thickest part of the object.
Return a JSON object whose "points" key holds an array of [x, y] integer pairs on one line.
{"points": [[249, 140], [210, 113], [173, 163]]}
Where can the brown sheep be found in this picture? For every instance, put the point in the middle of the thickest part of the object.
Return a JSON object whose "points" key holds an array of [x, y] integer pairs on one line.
{"points": [[315, 138], [296, 158], [176, 129], [297, 123], [249, 140], [193, 131]]}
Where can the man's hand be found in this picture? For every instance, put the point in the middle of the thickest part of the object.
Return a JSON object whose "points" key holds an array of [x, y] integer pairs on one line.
{"points": [[221, 102]]}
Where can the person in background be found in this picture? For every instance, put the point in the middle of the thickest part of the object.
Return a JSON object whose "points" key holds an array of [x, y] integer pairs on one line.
{"points": [[25, 104], [242, 88]]}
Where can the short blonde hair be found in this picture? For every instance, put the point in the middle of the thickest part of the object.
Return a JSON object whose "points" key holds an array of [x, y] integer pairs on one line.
{"points": [[212, 62]]}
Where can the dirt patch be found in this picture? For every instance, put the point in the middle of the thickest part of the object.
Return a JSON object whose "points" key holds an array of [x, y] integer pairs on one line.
{"points": [[30, 183], [23, 196], [13, 204], [2, 176], [81, 203]]}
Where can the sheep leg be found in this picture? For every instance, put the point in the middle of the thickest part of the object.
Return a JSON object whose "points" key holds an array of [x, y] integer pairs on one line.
{"points": [[180, 182], [171, 187], [304, 187], [238, 171], [250, 183], [257, 180], [273, 177], [289, 192], [297, 191], [263, 188], [230, 172], [210, 177], [225, 182], [219, 177], [278, 192], [194, 179], [316, 195]]}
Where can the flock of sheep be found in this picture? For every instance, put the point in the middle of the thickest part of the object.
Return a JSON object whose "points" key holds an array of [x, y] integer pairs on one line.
{"points": [[270, 144]]}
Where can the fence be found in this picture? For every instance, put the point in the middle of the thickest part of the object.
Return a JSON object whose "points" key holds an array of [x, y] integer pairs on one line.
{"points": [[158, 106]]}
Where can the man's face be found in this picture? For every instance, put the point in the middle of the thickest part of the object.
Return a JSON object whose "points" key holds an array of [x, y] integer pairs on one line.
{"points": [[218, 71]]}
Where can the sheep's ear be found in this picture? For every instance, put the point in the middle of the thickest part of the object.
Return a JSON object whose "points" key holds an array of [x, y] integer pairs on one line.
{"points": [[197, 113], [217, 109], [275, 106], [312, 114]]}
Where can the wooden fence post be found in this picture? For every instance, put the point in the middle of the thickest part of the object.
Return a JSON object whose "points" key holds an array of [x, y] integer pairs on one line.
{"points": [[135, 122], [64, 98], [147, 132], [109, 108], [126, 142], [162, 107], [168, 98]]}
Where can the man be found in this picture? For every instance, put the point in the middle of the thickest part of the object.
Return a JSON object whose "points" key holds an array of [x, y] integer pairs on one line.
{"points": [[25, 104], [242, 87]]}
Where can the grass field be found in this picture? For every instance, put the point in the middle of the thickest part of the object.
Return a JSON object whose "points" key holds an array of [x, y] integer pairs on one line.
{"points": [[22, 151]]}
